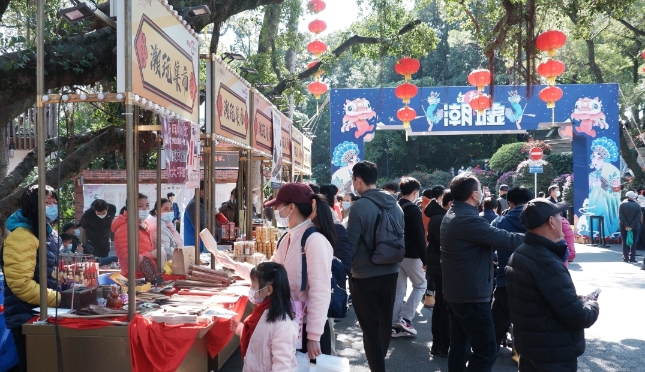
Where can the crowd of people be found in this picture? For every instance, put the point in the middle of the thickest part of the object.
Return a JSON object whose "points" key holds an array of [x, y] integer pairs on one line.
{"points": [[482, 263]]}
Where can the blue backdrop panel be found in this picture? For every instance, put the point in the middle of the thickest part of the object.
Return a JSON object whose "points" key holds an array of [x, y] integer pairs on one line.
{"points": [[592, 109]]}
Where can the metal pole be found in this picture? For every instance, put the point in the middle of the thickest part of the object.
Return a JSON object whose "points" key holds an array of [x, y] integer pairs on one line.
{"points": [[40, 133], [130, 166], [198, 208], [159, 248], [213, 141], [249, 175], [536, 190]]}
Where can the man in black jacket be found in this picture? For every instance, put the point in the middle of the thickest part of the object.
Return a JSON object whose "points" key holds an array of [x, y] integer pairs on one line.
{"points": [[97, 223], [440, 320], [631, 218], [433, 207], [413, 261], [467, 270], [548, 317]]}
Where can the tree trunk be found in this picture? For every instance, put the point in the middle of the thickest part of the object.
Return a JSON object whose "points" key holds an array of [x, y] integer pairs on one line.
{"points": [[631, 162], [269, 29], [593, 66]]}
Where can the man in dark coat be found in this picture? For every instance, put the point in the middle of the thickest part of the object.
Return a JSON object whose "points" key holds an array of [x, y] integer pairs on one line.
{"points": [[631, 218], [73, 229], [467, 271], [97, 223], [548, 316]]}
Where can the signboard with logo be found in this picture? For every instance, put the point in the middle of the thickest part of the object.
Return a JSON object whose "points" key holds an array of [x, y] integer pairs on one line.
{"points": [[262, 125], [164, 61], [232, 104], [586, 114], [296, 144], [306, 155], [286, 138]]}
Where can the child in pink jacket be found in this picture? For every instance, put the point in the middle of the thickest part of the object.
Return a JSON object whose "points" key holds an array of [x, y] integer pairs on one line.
{"points": [[268, 336], [568, 237]]}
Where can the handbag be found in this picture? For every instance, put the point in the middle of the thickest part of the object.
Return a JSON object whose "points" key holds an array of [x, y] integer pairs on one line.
{"points": [[629, 240]]}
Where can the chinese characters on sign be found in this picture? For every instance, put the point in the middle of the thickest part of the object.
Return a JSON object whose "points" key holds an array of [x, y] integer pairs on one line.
{"points": [[193, 163], [461, 114], [276, 171], [176, 135]]}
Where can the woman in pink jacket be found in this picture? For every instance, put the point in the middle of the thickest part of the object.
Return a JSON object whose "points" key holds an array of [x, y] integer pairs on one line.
{"points": [[170, 238], [294, 205], [120, 230], [268, 336], [568, 237]]}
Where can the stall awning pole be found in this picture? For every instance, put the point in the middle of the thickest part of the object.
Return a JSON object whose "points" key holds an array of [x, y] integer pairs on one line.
{"points": [[160, 251], [249, 175], [40, 134]]}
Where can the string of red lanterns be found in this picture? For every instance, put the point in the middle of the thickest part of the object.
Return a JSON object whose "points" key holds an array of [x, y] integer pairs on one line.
{"points": [[480, 78], [317, 48], [550, 41], [406, 66]]}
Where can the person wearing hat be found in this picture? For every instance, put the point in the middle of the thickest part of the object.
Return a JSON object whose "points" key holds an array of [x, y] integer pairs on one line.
{"points": [[631, 218], [548, 316], [74, 230], [502, 203], [295, 206]]}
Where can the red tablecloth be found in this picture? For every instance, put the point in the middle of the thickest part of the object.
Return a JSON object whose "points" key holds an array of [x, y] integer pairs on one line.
{"points": [[220, 334], [83, 323]]}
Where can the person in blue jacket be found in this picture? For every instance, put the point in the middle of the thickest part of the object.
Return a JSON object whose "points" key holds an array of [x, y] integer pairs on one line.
{"points": [[189, 215]]}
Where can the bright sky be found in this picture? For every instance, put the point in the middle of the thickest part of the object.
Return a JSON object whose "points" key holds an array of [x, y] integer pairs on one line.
{"points": [[338, 15]]}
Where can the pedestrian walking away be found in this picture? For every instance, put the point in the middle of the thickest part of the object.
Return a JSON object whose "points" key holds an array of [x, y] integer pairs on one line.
{"points": [[631, 219]]}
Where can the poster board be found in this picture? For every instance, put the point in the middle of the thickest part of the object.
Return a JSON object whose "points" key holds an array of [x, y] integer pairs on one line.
{"points": [[232, 104], [262, 125], [276, 169], [286, 138], [296, 146], [306, 155]]}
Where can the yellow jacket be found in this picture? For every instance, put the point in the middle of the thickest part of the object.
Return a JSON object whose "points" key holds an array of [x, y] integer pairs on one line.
{"points": [[20, 255]]}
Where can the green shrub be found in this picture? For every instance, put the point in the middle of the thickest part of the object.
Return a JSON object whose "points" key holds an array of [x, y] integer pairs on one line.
{"points": [[544, 180], [562, 162], [507, 157], [428, 180]]}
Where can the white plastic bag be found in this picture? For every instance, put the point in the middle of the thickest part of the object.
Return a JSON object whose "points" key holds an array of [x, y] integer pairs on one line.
{"points": [[324, 363]]}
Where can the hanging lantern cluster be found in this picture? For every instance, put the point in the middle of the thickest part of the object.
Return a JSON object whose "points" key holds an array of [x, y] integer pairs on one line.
{"points": [[480, 78], [406, 66], [317, 48], [549, 42]]}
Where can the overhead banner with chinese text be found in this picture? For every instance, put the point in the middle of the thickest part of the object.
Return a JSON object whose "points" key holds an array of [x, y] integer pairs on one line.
{"points": [[592, 110], [262, 125], [176, 135], [164, 60], [232, 104], [296, 145], [286, 137], [306, 155]]}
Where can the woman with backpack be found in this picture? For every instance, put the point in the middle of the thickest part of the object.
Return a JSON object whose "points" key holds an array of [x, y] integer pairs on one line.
{"points": [[294, 205]]}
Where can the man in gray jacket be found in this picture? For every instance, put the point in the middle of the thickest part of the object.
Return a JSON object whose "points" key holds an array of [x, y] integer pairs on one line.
{"points": [[373, 286], [631, 218], [467, 267]]}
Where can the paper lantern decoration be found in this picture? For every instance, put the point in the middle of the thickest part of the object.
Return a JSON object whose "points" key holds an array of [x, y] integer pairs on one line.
{"points": [[643, 54], [550, 95], [320, 70], [479, 78], [406, 115], [480, 103], [317, 47], [317, 6], [550, 70], [550, 41], [317, 26], [407, 66], [317, 88], [406, 91]]}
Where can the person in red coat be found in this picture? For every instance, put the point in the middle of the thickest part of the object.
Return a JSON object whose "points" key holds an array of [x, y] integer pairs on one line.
{"points": [[120, 230]]}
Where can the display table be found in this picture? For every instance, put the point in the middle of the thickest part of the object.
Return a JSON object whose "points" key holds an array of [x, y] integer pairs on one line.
{"points": [[109, 348]]}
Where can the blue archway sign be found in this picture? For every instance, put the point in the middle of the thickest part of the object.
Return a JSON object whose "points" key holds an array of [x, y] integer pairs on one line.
{"points": [[592, 111]]}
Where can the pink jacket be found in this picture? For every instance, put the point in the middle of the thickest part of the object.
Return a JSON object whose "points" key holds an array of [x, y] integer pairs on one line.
{"points": [[319, 254], [568, 237], [168, 234], [272, 346]]}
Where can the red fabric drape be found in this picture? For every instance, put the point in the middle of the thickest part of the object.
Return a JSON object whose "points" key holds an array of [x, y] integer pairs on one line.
{"points": [[83, 323], [158, 347], [220, 334]]}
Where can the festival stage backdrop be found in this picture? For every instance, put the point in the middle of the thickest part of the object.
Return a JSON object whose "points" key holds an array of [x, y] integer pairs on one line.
{"points": [[592, 110]]}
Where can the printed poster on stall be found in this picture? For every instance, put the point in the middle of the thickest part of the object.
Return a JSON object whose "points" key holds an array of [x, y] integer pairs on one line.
{"points": [[262, 125], [232, 105], [306, 155], [276, 171], [193, 163], [296, 145], [286, 137], [176, 134]]}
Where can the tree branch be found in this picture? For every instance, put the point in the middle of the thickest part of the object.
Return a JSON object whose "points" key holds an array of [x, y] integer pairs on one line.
{"points": [[637, 31], [342, 48], [3, 7]]}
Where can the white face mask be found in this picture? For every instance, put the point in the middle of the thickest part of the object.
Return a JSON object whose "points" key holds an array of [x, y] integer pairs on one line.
{"points": [[284, 221], [143, 215], [101, 216], [346, 205], [167, 216], [557, 194], [252, 293]]}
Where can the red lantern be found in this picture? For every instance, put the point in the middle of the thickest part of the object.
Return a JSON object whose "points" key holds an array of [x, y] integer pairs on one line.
{"points": [[406, 115], [320, 70], [317, 88], [643, 54], [317, 26], [550, 41], [479, 78], [317, 6], [550, 70], [480, 103], [407, 66], [550, 95], [406, 91], [317, 47]]}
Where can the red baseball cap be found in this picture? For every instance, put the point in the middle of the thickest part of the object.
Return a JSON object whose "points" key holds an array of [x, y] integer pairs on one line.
{"points": [[292, 193]]}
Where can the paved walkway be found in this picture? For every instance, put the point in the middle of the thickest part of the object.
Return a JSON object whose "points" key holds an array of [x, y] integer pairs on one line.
{"points": [[615, 343]]}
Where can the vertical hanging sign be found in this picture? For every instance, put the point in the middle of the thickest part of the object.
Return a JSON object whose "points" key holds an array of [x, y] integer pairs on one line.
{"points": [[194, 152], [176, 143], [276, 171]]}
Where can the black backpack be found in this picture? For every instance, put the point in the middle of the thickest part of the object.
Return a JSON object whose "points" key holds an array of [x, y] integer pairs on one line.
{"points": [[389, 244], [338, 305]]}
